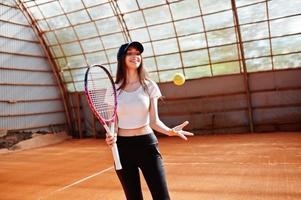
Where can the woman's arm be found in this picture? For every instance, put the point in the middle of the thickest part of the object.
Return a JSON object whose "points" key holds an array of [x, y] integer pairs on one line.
{"points": [[159, 126]]}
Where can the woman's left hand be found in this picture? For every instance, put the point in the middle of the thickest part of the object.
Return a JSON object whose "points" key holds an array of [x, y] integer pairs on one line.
{"points": [[178, 131]]}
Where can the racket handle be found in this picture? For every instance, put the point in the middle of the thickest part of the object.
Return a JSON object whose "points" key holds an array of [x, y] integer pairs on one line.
{"points": [[114, 148], [116, 157]]}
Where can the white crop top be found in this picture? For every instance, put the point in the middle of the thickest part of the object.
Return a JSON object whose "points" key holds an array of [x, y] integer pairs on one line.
{"points": [[133, 107]]}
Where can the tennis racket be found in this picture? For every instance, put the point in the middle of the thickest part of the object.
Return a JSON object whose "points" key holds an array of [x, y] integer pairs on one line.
{"points": [[101, 95]]}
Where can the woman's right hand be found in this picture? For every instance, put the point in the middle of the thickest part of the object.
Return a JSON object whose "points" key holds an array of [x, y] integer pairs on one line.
{"points": [[111, 139]]}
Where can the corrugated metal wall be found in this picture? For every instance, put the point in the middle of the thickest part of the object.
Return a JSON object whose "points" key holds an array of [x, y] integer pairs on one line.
{"points": [[219, 104], [29, 94]]}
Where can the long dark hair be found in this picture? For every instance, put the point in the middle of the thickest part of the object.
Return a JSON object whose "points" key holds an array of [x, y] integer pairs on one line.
{"points": [[121, 75]]}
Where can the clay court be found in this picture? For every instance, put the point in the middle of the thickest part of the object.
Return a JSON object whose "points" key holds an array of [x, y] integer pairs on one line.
{"points": [[245, 166]]}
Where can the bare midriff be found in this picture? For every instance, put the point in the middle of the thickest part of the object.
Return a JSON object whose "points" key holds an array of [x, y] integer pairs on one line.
{"points": [[135, 132]]}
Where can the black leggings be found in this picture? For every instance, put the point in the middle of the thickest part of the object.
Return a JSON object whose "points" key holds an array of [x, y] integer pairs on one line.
{"points": [[141, 152]]}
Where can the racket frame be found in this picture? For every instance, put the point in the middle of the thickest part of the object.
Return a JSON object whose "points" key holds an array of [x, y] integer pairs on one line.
{"points": [[110, 130]]}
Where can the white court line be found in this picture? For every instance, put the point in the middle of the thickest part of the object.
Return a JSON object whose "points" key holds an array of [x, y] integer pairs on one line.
{"points": [[79, 181]]}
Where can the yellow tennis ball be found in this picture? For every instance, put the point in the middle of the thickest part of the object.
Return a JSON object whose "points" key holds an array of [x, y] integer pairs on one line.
{"points": [[178, 79]]}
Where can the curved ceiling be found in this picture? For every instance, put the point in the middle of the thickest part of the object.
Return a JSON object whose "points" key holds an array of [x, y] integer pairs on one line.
{"points": [[198, 38]]}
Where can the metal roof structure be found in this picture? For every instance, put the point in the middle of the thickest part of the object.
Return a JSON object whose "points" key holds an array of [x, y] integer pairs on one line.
{"points": [[198, 38]]}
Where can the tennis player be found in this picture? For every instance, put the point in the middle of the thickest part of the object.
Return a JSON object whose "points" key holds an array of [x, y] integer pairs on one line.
{"points": [[137, 113]]}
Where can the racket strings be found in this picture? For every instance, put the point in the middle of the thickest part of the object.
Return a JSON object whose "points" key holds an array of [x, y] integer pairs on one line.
{"points": [[103, 100], [101, 92]]}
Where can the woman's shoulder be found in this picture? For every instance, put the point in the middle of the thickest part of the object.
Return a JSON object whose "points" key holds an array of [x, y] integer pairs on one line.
{"points": [[153, 88], [150, 83]]}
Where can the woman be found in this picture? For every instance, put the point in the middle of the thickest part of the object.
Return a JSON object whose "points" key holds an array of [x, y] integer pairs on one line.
{"points": [[137, 115]]}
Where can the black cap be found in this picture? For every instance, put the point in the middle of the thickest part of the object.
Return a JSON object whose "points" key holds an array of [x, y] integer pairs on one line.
{"points": [[123, 48]]}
